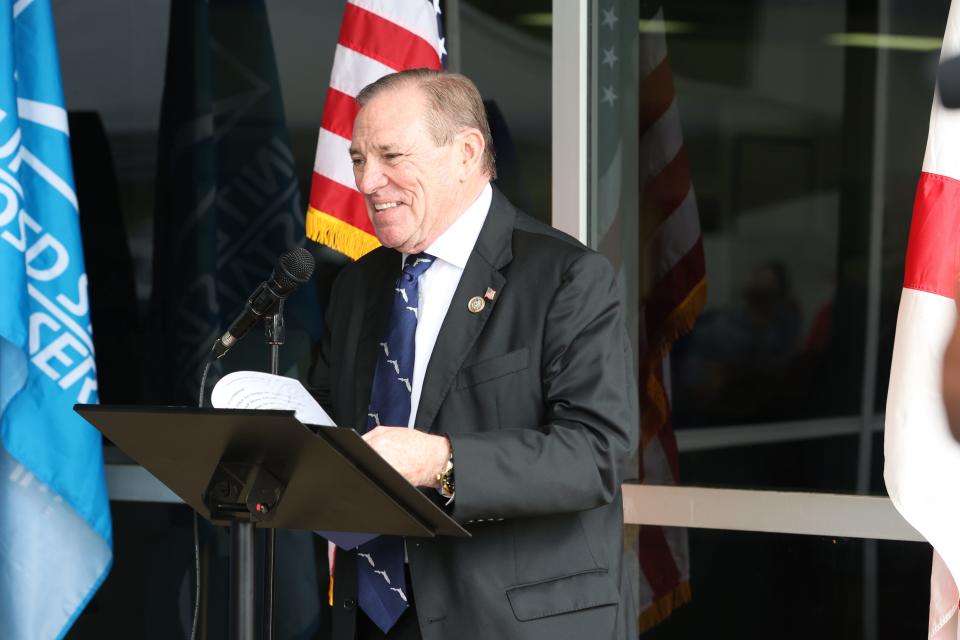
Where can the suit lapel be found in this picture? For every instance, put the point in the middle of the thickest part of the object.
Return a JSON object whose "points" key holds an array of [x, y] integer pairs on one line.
{"points": [[384, 272], [461, 327]]}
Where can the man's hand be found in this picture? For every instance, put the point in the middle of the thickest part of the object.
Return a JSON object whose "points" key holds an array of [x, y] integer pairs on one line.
{"points": [[418, 456]]}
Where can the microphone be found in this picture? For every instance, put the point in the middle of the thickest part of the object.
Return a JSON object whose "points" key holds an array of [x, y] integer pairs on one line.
{"points": [[293, 269]]}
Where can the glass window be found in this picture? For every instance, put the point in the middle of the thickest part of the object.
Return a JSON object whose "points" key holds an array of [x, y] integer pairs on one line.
{"points": [[754, 132], [761, 585], [495, 37]]}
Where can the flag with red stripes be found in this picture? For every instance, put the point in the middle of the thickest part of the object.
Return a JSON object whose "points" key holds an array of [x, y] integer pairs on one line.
{"points": [[673, 292], [662, 218], [377, 37], [922, 460]]}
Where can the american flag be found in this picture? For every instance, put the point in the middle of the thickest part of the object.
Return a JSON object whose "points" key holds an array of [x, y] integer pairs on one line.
{"points": [[377, 37], [922, 460], [671, 272], [674, 292]]}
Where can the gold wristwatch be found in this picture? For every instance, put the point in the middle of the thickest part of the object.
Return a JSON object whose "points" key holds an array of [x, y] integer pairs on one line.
{"points": [[445, 480]]}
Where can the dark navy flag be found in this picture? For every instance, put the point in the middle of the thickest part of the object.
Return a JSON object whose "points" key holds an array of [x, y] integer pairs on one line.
{"points": [[54, 513], [228, 200], [228, 205]]}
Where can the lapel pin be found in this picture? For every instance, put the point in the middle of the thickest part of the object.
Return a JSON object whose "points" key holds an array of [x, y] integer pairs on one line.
{"points": [[489, 294], [476, 304]]}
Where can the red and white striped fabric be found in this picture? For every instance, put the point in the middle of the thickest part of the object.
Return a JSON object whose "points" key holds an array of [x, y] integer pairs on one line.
{"points": [[669, 288], [377, 37], [922, 466], [674, 291]]}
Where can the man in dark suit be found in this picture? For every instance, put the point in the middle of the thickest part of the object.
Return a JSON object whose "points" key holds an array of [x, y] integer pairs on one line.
{"points": [[522, 397]]}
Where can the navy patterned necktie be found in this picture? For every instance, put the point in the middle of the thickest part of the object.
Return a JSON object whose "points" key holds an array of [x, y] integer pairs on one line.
{"points": [[380, 576]]}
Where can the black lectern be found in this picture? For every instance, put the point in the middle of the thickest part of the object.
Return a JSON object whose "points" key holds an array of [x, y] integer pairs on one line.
{"points": [[265, 469]]}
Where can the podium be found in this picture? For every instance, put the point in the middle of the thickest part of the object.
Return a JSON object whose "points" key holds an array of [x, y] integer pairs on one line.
{"points": [[265, 469]]}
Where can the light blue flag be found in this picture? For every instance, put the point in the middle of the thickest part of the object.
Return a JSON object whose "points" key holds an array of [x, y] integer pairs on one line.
{"points": [[55, 533]]}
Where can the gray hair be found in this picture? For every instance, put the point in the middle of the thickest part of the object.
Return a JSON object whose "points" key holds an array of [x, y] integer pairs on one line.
{"points": [[453, 101]]}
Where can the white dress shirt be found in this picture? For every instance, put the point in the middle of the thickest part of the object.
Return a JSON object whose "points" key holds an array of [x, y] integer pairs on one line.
{"points": [[439, 283]]}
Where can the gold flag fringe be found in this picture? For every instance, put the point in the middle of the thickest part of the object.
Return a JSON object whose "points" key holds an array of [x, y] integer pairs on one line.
{"points": [[339, 235], [662, 608], [653, 400], [654, 413]]}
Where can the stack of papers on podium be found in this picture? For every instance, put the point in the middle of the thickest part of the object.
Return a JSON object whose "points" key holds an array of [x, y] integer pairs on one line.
{"points": [[257, 390]]}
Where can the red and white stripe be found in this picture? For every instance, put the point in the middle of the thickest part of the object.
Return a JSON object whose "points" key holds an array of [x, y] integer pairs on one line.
{"points": [[377, 37], [673, 270], [673, 290], [922, 460]]}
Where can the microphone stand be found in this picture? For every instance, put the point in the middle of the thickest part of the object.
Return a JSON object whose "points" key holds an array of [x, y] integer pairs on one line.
{"points": [[293, 269], [275, 336]]}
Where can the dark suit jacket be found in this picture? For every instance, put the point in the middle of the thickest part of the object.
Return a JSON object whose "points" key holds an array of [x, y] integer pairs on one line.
{"points": [[537, 395]]}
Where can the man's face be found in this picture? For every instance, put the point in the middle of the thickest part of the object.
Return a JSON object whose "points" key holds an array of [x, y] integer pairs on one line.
{"points": [[411, 186]]}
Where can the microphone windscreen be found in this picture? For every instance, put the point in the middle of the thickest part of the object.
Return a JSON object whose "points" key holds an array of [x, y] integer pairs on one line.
{"points": [[296, 267]]}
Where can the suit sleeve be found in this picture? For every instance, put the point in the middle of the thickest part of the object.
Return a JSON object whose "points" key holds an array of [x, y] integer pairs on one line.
{"points": [[578, 458]]}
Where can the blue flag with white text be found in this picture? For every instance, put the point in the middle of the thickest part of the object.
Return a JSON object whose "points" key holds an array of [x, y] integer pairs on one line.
{"points": [[55, 532]]}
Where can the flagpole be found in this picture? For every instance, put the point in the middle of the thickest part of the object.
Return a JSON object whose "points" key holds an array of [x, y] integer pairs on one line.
{"points": [[451, 24], [872, 333]]}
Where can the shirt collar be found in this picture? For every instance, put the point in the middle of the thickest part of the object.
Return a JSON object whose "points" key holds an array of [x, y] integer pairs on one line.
{"points": [[455, 245]]}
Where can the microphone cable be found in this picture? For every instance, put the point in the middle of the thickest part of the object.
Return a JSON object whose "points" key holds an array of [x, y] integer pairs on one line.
{"points": [[196, 534]]}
